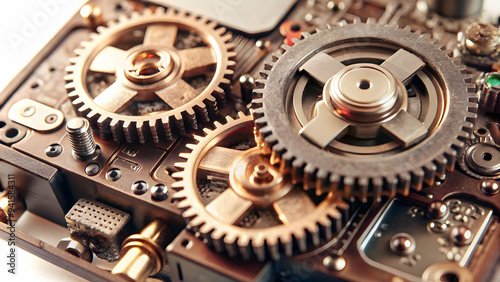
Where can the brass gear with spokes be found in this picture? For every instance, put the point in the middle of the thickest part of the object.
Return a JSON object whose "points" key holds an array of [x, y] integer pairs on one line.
{"points": [[151, 75], [239, 203]]}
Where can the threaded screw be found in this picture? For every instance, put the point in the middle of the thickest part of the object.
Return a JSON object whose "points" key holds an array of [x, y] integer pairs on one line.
{"points": [[81, 138]]}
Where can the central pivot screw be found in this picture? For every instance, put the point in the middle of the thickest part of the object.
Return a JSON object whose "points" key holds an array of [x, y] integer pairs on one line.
{"points": [[148, 66], [82, 140], [365, 93], [261, 174]]}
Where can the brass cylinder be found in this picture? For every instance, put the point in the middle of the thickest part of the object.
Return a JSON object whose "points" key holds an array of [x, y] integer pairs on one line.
{"points": [[143, 254]]}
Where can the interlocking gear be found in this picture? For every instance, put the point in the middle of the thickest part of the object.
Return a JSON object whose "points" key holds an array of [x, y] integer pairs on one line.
{"points": [[232, 197], [151, 75], [386, 110]]}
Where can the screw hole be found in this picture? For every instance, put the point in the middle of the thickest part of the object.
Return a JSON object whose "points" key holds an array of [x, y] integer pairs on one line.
{"points": [[186, 243], [11, 133], [487, 156], [170, 170], [482, 130], [35, 85], [364, 84], [295, 27], [449, 277]]}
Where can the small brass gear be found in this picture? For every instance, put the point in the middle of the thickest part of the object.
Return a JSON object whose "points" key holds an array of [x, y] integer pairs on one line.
{"points": [[151, 75], [250, 208]]}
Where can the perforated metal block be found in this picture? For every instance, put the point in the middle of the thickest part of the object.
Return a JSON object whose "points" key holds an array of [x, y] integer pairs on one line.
{"points": [[99, 226]]}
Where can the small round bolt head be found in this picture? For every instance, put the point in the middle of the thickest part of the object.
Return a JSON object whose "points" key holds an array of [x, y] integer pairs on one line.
{"points": [[461, 235], [113, 174], [53, 150], [437, 210], [402, 244], [75, 248], [159, 192], [92, 169], [139, 187], [334, 262], [490, 187]]}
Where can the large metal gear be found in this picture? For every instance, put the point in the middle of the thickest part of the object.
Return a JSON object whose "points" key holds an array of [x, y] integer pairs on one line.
{"points": [[152, 74], [232, 197], [365, 109]]}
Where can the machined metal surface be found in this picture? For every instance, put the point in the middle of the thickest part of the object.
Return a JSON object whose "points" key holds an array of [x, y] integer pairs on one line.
{"points": [[252, 17], [36, 115], [451, 236]]}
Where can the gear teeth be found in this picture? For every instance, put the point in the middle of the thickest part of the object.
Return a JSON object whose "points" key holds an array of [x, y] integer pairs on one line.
{"points": [[342, 23], [404, 182], [348, 184], [285, 47], [426, 36], [321, 184], [371, 21], [130, 131], [417, 179], [155, 127], [104, 128], [71, 87], [451, 158], [159, 10], [276, 55], [142, 131], [441, 162], [391, 183], [116, 127], [362, 187], [310, 175], [377, 186], [178, 175], [224, 237], [191, 146], [264, 73], [204, 108], [430, 174], [295, 40]]}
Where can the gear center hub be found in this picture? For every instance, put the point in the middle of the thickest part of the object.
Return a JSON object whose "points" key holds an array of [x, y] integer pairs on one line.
{"points": [[365, 93], [146, 65], [254, 178]]}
